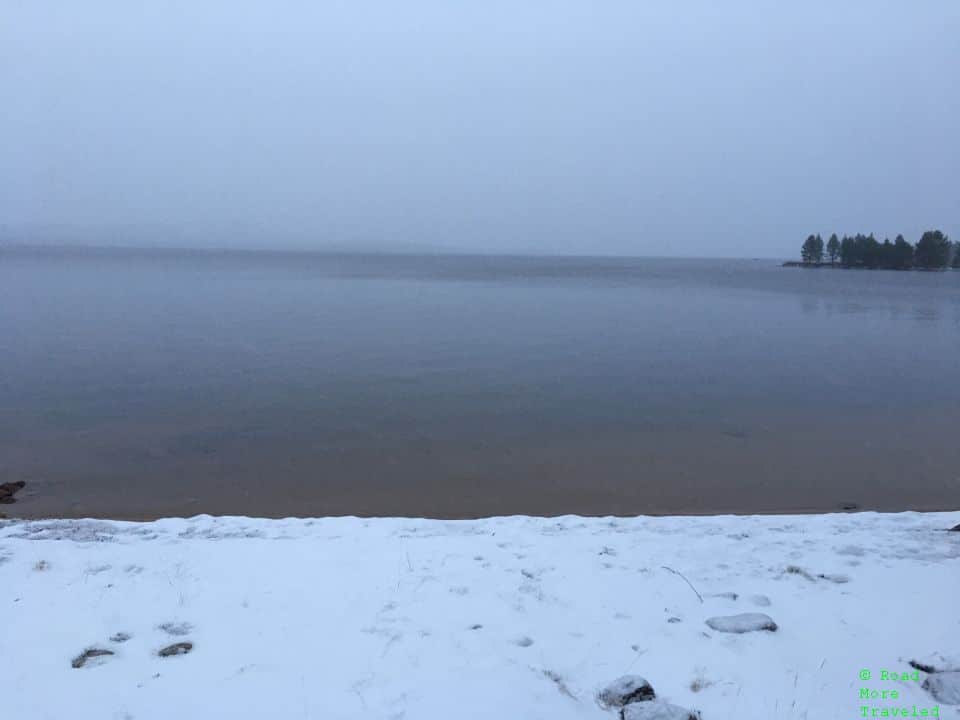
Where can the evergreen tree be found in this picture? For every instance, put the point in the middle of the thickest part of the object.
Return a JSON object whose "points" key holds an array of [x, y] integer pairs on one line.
{"points": [[902, 254], [867, 251], [848, 252], [833, 248], [887, 258], [933, 250], [809, 250]]}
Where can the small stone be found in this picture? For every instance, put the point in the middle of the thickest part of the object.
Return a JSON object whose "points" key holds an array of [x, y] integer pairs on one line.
{"points": [[937, 662], [745, 622], [180, 648], [523, 641], [120, 637], [80, 660], [657, 710], [725, 595], [625, 690], [944, 686], [674, 619]]}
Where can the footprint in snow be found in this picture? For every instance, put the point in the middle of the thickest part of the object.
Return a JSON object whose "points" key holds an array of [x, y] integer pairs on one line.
{"points": [[176, 628]]}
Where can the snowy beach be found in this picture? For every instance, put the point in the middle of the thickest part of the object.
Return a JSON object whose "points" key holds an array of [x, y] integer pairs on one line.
{"points": [[512, 617]]}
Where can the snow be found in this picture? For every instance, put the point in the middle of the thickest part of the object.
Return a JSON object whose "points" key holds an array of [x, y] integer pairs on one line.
{"points": [[945, 687], [511, 617], [657, 710]]}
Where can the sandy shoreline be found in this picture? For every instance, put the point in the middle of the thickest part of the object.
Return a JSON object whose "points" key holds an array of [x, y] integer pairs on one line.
{"points": [[677, 472]]}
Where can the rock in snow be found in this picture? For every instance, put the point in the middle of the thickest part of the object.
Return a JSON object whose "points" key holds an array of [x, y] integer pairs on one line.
{"points": [[657, 710], [180, 648], [9, 489], [745, 622], [944, 686], [625, 690], [89, 654], [937, 663]]}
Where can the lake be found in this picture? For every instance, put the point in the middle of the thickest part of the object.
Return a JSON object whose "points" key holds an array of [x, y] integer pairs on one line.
{"points": [[143, 383]]}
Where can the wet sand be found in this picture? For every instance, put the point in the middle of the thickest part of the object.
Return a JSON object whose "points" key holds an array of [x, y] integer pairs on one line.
{"points": [[790, 468]]}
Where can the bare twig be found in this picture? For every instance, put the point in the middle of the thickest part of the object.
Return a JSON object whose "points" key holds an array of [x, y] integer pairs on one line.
{"points": [[699, 596]]}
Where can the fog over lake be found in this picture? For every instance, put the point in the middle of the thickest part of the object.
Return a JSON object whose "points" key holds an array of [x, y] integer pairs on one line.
{"points": [[699, 129]]}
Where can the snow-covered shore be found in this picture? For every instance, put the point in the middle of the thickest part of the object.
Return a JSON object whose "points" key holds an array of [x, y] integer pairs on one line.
{"points": [[500, 618]]}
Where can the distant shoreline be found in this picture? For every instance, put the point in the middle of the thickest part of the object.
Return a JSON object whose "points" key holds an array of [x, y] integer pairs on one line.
{"points": [[840, 266]]}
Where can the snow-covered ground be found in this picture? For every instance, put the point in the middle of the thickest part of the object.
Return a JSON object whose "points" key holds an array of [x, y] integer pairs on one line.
{"points": [[501, 618]]}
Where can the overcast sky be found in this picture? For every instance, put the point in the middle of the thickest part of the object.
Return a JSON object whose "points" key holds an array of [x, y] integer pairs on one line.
{"points": [[627, 127]]}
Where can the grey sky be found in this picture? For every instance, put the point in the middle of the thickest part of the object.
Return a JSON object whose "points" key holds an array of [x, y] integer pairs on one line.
{"points": [[666, 128]]}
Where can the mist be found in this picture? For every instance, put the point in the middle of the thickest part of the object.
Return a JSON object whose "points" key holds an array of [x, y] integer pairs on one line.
{"points": [[620, 128]]}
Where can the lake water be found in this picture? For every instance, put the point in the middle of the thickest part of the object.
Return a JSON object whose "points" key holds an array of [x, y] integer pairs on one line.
{"points": [[144, 383]]}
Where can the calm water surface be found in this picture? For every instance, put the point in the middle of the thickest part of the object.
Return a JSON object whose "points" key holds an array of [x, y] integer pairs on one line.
{"points": [[145, 383]]}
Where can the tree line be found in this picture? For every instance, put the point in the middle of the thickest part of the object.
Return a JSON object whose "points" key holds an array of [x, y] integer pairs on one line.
{"points": [[934, 250]]}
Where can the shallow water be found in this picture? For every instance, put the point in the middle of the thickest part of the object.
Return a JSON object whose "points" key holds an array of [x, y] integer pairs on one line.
{"points": [[145, 383]]}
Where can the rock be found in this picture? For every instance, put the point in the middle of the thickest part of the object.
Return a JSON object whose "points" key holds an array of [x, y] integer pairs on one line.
{"points": [[955, 528], [944, 686], [760, 600], [120, 637], [745, 622], [9, 489], [625, 690], [180, 648], [725, 595], [657, 710], [936, 663], [80, 660]]}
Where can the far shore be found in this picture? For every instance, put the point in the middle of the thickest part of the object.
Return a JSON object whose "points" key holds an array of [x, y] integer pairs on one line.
{"points": [[839, 266]]}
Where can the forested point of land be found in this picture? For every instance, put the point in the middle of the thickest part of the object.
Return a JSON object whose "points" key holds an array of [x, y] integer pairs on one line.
{"points": [[933, 251]]}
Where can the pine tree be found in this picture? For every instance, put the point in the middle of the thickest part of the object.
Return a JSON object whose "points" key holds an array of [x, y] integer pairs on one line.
{"points": [[933, 250], [833, 248]]}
